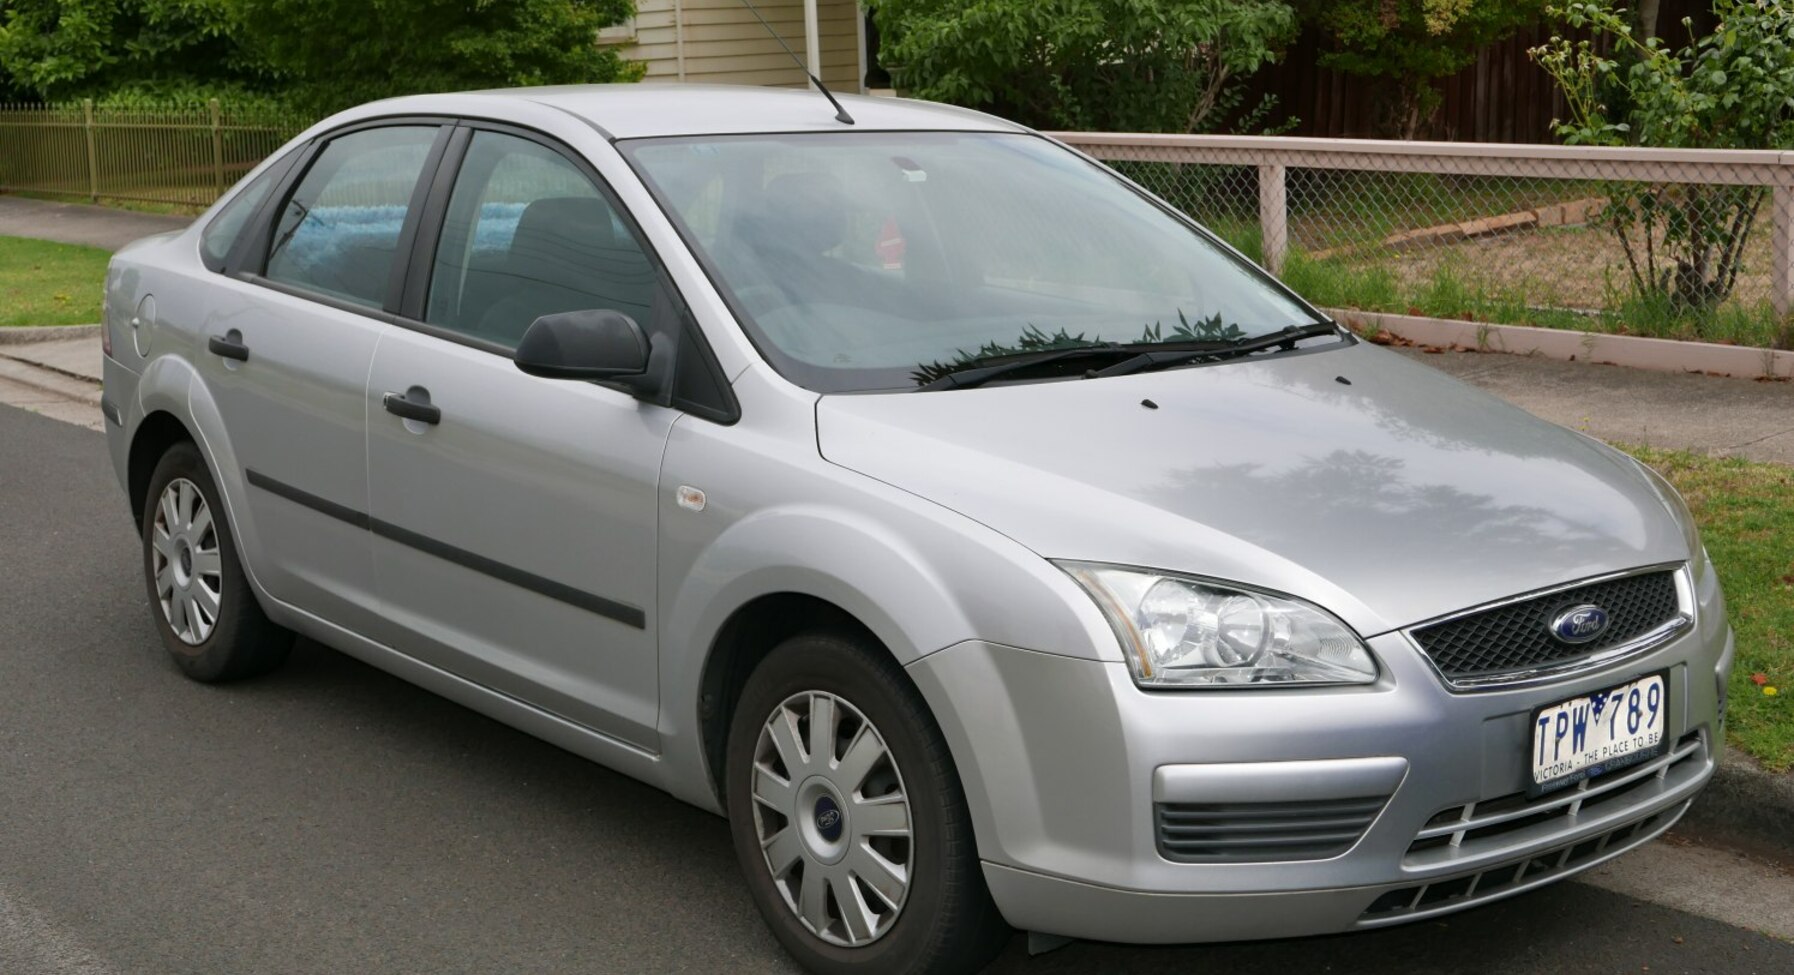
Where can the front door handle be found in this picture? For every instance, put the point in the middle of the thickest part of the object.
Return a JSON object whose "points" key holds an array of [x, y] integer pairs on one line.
{"points": [[229, 345], [413, 404]]}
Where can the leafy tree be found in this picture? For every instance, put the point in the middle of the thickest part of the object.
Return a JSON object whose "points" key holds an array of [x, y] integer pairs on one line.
{"points": [[317, 55], [1414, 44], [1730, 89], [1116, 65], [336, 53], [61, 49]]}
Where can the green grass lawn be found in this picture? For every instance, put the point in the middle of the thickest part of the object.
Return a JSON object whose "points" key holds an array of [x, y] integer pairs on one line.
{"points": [[1746, 513], [50, 284]]}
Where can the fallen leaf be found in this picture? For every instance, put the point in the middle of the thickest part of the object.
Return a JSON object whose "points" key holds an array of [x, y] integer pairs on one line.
{"points": [[1759, 678]]}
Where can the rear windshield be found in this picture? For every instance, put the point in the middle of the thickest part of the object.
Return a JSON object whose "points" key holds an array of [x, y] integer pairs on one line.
{"points": [[873, 260]]}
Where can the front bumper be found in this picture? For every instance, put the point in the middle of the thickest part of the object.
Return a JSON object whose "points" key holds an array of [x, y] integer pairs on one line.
{"points": [[1065, 762]]}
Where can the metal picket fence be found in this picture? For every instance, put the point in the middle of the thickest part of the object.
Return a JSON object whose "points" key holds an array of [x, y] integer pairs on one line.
{"points": [[1675, 243], [179, 156]]}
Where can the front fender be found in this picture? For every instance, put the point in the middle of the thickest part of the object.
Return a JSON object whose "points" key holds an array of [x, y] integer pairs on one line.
{"points": [[779, 519], [831, 554]]}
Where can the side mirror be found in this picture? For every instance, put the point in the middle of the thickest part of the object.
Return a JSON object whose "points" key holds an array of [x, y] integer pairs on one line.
{"points": [[598, 344]]}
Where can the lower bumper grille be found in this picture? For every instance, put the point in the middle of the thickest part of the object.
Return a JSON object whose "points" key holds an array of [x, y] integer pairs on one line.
{"points": [[1420, 900], [1258, 832], [1482, 828]]}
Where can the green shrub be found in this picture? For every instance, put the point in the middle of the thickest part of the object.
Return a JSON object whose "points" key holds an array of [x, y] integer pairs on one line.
{"points": [[1100, 65]]}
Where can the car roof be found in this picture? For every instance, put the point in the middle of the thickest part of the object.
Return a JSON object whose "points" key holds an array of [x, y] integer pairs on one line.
{"points": [[634, 111]]}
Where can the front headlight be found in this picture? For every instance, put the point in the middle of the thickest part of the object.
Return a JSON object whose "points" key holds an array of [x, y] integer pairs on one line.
{"points": [[1177, 631]]}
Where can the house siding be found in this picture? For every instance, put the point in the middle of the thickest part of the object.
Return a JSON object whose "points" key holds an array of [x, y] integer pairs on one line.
{"points": [[725, 44]]}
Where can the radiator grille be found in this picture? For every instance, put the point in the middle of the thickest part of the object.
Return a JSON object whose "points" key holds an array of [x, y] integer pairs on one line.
{"points": [[1516, 637], [1256, 832]]}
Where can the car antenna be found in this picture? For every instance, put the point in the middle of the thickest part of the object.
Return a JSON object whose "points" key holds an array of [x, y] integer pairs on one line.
{"points": [[840, 113]]}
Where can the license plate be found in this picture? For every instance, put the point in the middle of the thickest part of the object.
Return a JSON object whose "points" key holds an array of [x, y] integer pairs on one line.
{"points": [[1595, 733]]}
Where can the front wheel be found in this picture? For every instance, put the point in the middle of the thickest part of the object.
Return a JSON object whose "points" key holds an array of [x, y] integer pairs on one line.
{"points": [[849, 820]]}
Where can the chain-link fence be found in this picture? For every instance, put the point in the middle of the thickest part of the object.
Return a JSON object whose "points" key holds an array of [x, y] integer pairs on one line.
{"points": [[1670, 243], [182, 157]]}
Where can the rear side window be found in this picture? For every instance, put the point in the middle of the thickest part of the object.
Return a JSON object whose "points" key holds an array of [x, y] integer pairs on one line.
{"points": [[221, 234], [339, 232], [527, 235]]}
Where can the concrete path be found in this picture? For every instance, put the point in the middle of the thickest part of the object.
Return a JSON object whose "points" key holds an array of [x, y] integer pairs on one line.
{"points": [[1705, 414], [80, 223]]}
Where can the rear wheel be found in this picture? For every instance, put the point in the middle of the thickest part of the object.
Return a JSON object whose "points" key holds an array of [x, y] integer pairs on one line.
{"points": [[205, 611], [848, 816]]}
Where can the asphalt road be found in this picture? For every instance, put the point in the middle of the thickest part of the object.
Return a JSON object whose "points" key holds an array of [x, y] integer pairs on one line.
{"points": [[331, 819]]}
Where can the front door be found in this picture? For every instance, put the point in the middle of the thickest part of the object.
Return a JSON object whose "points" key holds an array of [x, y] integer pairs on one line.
{"points": [[513, 516]]}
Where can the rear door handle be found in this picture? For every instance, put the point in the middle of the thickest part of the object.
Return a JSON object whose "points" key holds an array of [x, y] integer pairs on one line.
{"points": [[229, 345], [413, 404]]}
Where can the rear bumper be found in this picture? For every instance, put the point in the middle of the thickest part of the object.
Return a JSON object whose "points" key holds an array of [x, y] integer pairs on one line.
{"points": [[118, 402], [1068, 770]]}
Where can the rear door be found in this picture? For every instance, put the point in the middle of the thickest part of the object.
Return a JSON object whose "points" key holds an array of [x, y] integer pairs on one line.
{"points": [[288, 346], [514, 526]]}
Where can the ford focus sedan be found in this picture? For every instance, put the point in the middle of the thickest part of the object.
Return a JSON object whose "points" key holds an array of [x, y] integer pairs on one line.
{"points": [[994, 547]]}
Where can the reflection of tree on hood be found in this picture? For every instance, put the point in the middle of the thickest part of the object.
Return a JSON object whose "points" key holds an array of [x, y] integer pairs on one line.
{"points": [[1364, 499]]}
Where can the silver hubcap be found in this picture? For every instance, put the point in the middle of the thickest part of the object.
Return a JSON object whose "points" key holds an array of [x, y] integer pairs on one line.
{"points": [[832, 818], [185, 561]]}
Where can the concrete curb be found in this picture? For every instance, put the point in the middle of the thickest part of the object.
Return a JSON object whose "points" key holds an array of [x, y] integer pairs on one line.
{"points": [[1637, 352], [54, 382], [1745, 807], [47, 333]]}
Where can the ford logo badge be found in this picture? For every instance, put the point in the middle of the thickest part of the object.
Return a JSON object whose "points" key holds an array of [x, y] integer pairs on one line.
{"points": [[1579, 624], [828, 819]]}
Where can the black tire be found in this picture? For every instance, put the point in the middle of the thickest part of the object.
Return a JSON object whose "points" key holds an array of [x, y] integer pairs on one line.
{"points": [[947, 924], [240, 642]]}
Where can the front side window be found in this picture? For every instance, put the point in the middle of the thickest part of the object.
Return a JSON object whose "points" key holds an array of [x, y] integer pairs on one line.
{"points": [[527, 235], [881, 260], [339, 232]]}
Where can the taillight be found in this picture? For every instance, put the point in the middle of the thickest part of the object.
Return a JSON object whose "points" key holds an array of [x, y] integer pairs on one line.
{"points": [[106, 335]]}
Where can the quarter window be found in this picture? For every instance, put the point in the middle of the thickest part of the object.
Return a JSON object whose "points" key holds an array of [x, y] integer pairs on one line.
{"points": [[216, 241], [527, 235], [339, 232]]}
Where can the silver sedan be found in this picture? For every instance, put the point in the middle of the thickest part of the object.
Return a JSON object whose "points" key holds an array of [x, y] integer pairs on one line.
{"points": [[992, 545]]}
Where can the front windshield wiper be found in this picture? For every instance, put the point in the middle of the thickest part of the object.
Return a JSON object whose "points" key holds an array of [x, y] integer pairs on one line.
{"points": [[980, 371], [1285, 339]]}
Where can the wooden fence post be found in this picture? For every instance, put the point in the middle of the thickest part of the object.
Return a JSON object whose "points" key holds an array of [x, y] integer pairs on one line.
{"points": [[1781, 274], [1273, 216], [217, 150], [93, 155]]}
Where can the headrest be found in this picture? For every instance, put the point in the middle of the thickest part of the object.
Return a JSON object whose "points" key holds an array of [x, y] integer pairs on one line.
{"points": [[563, 228]]}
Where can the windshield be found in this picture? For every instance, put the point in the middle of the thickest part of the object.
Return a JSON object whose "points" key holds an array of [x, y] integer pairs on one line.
{"points": [[885, 260]]}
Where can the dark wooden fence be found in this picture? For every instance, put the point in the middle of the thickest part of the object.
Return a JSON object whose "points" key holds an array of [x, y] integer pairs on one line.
{"points": [[1503, 97]]}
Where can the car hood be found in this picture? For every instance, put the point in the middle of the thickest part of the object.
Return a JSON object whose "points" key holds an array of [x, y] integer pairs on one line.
{"points": [[1353, 477]]}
